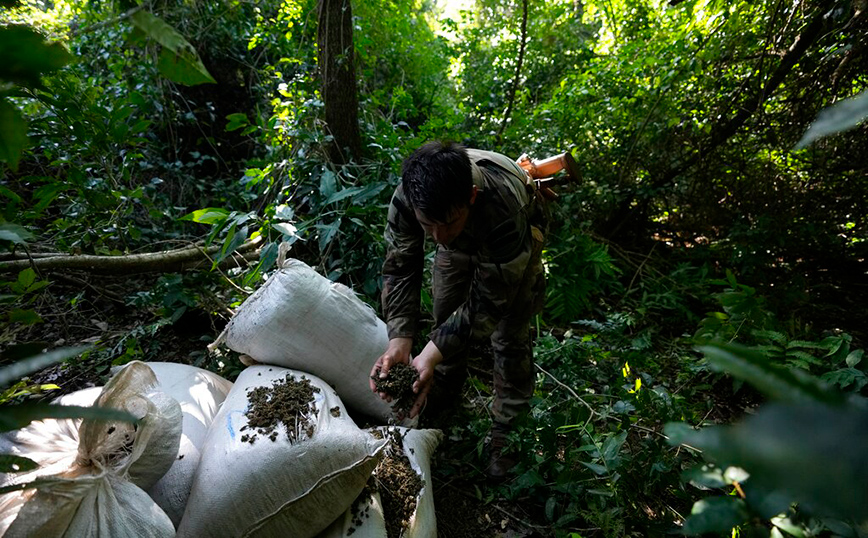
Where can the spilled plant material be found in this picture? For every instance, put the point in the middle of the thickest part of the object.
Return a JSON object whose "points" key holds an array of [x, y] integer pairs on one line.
{"points": [[398, 385], [288, 401], [399, 486], [361, 507]]}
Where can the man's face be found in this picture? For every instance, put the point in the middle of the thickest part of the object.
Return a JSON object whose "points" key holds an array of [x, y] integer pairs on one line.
{"points": [[445, 232]]}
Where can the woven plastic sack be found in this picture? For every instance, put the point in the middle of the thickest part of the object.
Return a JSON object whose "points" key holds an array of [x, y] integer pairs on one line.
{"points": [[93, 476], [200, 394], [52, 443], [366, 518], [274, 486], [299, 319]]}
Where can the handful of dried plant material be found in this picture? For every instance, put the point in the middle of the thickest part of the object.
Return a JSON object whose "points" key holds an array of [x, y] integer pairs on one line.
{"points": [[399, 385], [288, 401]]}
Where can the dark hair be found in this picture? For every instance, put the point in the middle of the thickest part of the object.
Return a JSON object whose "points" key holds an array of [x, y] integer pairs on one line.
{"points": [[437, 179]]}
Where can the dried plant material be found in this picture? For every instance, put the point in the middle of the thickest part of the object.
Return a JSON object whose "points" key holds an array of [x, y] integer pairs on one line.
{"points": [[399, 486], [288, 401], [398, 385], [360, 510]]}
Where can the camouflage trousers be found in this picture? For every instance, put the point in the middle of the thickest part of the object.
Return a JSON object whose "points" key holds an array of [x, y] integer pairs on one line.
{"points": [[511, 343]]}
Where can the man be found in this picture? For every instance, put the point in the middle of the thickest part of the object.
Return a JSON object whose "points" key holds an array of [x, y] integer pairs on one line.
{"points": [[488, 222]]}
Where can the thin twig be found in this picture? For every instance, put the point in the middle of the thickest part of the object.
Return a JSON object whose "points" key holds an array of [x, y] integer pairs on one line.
{"points": [[649, 430], [639, 269], [224, 275], [103, 24], [79, 282], [570, 390]]}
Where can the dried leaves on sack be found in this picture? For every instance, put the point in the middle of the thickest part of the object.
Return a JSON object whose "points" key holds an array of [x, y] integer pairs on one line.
{"points": [[287, 401]]}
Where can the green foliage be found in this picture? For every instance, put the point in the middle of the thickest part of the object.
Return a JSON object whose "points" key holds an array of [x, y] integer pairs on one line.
{"points": [[743, 312], [810, 449], [114, 153], [577, 270], [588, 450], [178, 59], [26, 58], [25, 290]]}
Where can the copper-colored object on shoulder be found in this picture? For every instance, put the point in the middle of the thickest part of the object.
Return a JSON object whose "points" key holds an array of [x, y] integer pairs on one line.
{"points": [[542, 171]]}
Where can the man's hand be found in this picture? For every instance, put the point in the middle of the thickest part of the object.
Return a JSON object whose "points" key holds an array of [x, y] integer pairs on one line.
{"points": [[398, 351], [424, 363]]}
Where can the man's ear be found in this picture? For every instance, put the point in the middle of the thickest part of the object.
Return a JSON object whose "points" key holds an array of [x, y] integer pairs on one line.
{"points": [[473, 195]]}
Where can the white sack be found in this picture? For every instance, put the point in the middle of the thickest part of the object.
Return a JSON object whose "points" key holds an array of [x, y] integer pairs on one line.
{"points": [[200, 394], [367, 520], [275, 487], [94, 474], [52, 443], [300, 319]]}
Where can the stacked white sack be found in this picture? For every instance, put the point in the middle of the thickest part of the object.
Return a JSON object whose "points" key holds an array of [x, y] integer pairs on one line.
{"points": [[200, 394], [275, 487], [299, 319], [94, 475]]}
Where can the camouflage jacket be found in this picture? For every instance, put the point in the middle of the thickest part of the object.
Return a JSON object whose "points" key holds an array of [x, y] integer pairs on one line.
{"points": [[497, 237]]}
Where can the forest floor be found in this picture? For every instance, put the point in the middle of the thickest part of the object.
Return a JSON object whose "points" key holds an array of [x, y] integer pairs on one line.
{"points": [[84, 310]]}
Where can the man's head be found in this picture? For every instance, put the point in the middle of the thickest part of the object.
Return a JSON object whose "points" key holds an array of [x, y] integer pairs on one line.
{"points": [[438, 180]]}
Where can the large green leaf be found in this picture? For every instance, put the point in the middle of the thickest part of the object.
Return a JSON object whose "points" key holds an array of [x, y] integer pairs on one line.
{"points": [[716, 514], [27, 56], [817, 454], [839, 117], [14, 417], [178, 60], [13, 135], [14, 232], [16, 464], [16, 371], [342, 194], [25, 316], [27, 485], [208, 215], [777, 382]]}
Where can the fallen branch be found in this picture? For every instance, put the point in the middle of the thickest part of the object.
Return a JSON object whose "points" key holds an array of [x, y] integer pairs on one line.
{"points": [[195, 257]]}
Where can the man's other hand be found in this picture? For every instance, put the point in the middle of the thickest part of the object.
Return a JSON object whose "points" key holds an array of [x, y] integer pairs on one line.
{"points": [[424, 363], [398, 351]]}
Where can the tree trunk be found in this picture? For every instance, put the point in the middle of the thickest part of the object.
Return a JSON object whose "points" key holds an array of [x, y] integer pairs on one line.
{"points": [[337, 69]]}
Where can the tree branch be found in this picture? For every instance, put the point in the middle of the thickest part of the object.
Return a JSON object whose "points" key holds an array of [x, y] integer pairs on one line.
{"points": [[154, 262], [720, 133], [723, 131], [515, 80]]}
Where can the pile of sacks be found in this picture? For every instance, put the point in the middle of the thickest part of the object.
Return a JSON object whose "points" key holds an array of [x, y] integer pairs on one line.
{"points": [[188, 469]]}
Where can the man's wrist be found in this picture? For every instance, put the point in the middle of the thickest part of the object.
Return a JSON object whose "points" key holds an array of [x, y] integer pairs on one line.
{"points": [[431, 354]]}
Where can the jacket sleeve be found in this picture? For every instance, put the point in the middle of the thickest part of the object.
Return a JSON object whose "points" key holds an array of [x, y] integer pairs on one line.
{"points": [[402, 270], [499, 273]]}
